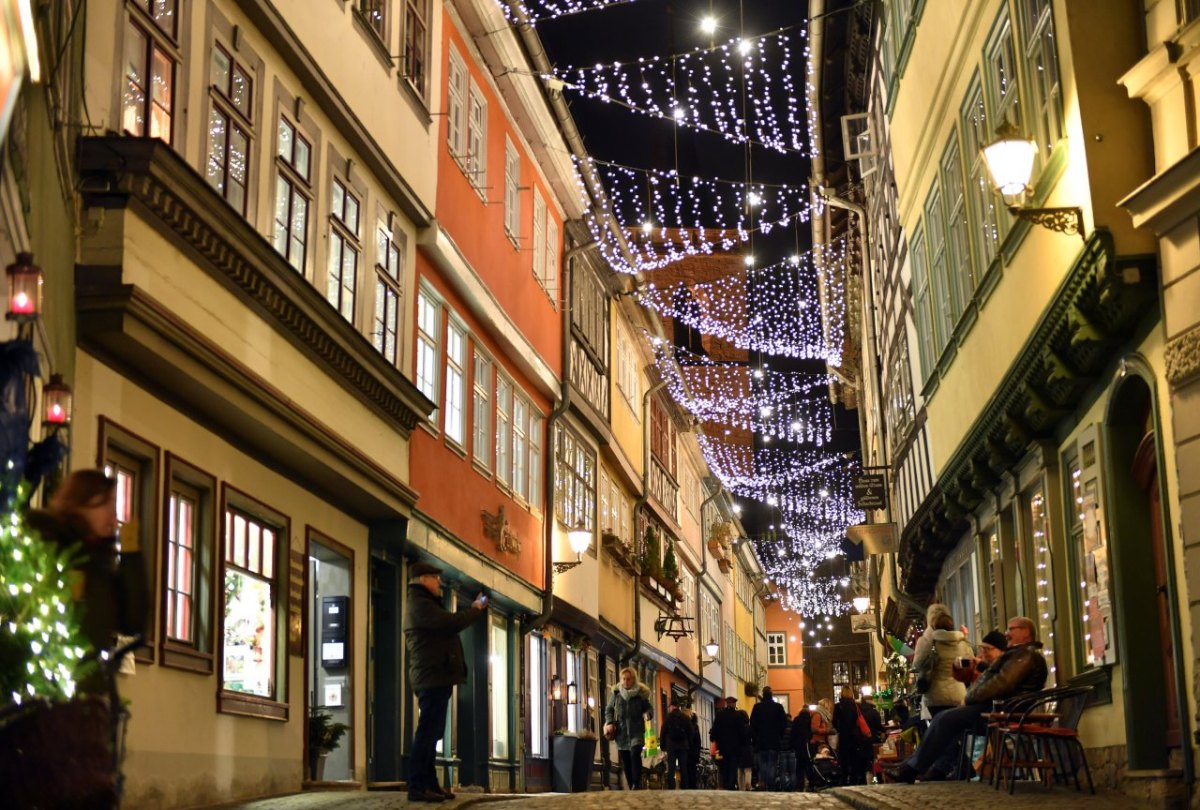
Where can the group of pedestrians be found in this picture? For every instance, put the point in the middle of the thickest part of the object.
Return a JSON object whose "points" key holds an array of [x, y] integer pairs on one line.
{"points": [[960, 688]]}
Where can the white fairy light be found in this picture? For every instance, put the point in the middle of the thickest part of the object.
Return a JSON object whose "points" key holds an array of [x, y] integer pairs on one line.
{"points": [[710, 83]]}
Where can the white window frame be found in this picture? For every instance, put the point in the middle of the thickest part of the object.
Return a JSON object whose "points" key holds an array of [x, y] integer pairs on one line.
{"points": [[539, 238], [477, 122], [512, 195], [429, 321], [385, 332], [481, 412], [776, 649], [504, 397], [550, 262], [455, 413], [456, 107]]}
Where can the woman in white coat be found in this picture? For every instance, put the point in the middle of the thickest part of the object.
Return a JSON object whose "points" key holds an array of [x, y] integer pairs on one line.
{"points": [[934, 657]]}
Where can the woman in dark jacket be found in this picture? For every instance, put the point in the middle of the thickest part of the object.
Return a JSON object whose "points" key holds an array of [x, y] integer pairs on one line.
{"points": [[851, 742], [113, 592]]}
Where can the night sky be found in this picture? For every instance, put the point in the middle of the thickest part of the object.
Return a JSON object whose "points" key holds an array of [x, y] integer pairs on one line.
{"points": [[612, 133]]}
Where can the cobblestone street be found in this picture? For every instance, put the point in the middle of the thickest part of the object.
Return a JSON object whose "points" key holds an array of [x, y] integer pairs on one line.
{"points": [[876, 797]]}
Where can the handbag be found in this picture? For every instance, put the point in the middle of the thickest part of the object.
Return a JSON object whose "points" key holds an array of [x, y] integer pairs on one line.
{"points": [[925, 676], [863, 728]]}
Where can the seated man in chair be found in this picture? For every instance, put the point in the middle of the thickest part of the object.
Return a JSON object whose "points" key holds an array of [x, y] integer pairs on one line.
{"points": [[1020, 670]]}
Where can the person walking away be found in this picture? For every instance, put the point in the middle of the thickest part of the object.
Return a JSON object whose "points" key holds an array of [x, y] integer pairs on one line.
{"points": [[850, 740], [801, 738], [785, 777], [675, 736], [866, 708], [726, 732], [436, 664], [692, 774], [937, 650], [745, 749], [625, 717], [1020, 670], [110, 581], [873, 718], [767, 723]]}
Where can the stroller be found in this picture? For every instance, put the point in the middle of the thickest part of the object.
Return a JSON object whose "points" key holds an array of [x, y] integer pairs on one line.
{"points": [[825, 769]]}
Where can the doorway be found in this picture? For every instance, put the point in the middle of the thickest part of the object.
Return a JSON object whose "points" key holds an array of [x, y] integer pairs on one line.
{"points": [[330, 676], [383, 673], [1143, 567]]}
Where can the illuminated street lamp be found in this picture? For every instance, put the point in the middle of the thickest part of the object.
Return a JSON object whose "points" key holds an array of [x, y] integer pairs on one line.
{"points": [[1009, 160]]}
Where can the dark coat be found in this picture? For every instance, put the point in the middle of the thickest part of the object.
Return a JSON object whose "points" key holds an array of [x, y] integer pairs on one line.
{"points": [[676, 732], [726, 732], [116, 593], [871, 715], [845, 720], [1020, 670], [629, 716], [435, 652], [767, 722], [801, 732], [694, 740]]}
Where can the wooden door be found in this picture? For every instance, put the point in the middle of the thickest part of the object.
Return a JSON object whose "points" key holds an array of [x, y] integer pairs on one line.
{"points": [[1145, 473]]}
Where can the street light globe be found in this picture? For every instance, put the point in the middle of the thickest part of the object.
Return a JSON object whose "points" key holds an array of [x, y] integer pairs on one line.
{"points": [[861, 603], [580, 540], [867, 690], [709, 24], [1009, 160], [711, 649]]}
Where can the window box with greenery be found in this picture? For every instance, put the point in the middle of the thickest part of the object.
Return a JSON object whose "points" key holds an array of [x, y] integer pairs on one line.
{"points": [[573, 752], [324, 735]]}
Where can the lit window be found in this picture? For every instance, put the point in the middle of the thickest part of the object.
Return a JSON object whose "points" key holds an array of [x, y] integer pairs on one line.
{"points": [[344, 248], [481, 414], [293, 158], [249, 628], [387, 295], [148, 90], [229, 128]]}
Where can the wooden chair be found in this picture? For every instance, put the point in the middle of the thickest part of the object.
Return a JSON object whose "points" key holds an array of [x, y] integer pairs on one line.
{"points": [[1041, 734]]}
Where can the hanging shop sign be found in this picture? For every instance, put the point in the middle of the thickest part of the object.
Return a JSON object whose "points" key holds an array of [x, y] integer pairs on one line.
{"points": [[870, 491]]}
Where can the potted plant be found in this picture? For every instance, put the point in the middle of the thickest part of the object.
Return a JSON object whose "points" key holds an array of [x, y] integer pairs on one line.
{"points": [[324, 735], [572, 752]]}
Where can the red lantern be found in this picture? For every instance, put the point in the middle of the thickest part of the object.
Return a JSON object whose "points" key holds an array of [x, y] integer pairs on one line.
{"points": [[24, 289], [57, 400]]}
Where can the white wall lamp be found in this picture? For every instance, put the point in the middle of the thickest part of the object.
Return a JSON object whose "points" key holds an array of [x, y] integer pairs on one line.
{"points": [[580, 540], [1009, 160]]}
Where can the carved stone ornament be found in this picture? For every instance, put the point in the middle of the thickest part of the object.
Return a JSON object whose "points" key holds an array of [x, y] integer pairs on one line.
{"points": [[1183, 357], [496, 529]]}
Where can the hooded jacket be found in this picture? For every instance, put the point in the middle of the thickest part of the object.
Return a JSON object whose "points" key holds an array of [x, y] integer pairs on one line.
{"points": [[950, 644], [435, 652]]}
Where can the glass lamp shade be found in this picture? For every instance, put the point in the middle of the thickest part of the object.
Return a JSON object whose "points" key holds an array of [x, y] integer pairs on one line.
{"points": [[572, 694], [555, 688], [580, 540], [867, 690], [1009, 160], [24, 288], [57, 400], [861, 603], [711, 649]]}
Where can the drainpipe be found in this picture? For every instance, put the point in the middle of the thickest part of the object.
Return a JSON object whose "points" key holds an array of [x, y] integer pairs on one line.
{"points": [[548, 569]]}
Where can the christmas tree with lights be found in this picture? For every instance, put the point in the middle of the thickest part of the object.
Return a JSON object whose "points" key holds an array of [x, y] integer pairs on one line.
{"points": [[41, 646]]}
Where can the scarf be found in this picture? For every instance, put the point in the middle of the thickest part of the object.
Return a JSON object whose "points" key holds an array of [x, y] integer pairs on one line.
{"points": [[628, 694]]}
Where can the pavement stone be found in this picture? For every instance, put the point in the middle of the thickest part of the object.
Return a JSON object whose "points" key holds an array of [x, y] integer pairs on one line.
{"points": [[928, 796]]}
